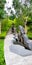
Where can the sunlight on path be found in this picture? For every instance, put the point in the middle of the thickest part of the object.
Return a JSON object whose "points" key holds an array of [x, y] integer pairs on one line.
{"points": [[16, 54]]}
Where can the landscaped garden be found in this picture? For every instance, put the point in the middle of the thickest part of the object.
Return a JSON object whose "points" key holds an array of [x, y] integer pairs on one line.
{"points": [[7, 23], [21, 15]]}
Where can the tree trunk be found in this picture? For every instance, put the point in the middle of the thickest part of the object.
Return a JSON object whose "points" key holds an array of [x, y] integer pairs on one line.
{"points": [[25, 27]]}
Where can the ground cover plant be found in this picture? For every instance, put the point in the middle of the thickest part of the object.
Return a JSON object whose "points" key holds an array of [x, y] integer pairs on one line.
{"points": [[2, 60]]}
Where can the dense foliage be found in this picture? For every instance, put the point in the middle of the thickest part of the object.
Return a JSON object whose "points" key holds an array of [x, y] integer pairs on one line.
{"points": [[22, 16], [2, 3], [5, 26]]}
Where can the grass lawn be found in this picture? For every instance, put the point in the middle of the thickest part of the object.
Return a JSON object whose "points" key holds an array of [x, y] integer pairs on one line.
{"points": [[2, 60]]}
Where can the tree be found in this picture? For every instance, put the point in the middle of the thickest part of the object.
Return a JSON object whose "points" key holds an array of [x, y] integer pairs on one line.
{"points": [[23, 10], [2, 3]]}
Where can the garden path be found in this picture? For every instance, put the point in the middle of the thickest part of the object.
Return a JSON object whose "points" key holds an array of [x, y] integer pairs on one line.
{"points": [[16, 54]]}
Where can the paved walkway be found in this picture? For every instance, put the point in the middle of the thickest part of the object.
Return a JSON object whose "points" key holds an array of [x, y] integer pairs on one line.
{"points": [[16, 54]]}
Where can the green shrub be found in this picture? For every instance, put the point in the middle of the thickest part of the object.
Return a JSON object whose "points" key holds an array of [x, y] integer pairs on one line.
{"points": [[2, 35], [18, 22], [29, 35], [6, 24]]}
